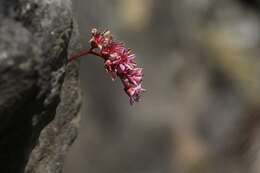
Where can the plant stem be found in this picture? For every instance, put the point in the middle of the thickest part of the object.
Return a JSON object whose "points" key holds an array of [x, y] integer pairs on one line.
{"points": [[83, 53]]}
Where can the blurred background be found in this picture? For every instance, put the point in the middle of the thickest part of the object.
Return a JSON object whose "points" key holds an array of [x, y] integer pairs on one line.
{"points": [[201, 111]]}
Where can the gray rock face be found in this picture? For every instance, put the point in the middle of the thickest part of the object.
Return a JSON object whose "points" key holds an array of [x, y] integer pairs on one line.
{"points": [[35, 39]]}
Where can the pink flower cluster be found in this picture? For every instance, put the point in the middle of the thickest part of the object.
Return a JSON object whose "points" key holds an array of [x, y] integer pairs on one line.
{"points": [[119, 61]]}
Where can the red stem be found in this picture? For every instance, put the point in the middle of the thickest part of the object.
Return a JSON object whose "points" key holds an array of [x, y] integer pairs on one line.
{"points": [[83, 53]]}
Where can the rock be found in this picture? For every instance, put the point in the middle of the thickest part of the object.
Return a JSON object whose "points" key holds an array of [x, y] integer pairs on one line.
{"points": [[36, 85]]}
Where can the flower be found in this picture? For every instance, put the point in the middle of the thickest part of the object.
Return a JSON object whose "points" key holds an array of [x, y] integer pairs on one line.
{"points": [[119, 61], [98, 40]]}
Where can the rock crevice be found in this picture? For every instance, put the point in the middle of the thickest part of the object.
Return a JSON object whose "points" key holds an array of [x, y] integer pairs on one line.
{"points": [[36, 38]]}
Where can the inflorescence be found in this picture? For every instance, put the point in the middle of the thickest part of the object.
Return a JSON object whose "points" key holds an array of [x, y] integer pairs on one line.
{"points": [[118, 61]]}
